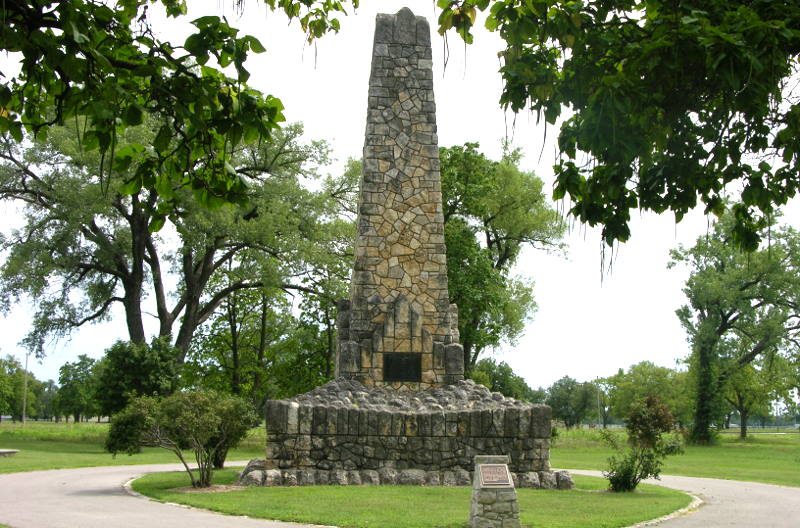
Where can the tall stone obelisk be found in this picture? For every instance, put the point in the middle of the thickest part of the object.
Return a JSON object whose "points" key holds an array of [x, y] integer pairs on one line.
{"points": [[399, 329]]}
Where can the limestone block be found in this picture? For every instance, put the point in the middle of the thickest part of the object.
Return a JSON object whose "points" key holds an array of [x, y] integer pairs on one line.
{"points": [[547, 480], [273, 477], [353, 478], [251, 478], [411, 477], [388, 476], [370, 477], [454, 358], [529, 479], [289, 477], [564, 480], [433, 478]]}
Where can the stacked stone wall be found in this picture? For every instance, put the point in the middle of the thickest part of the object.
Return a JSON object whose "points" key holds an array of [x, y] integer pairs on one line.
{"points": [[345, 425]]}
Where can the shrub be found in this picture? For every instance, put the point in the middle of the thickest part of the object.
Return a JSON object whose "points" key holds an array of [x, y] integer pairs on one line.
{"points": [[205, 422], [647, 421]]}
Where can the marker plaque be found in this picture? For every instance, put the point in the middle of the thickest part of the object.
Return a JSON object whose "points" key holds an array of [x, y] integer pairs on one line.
{"points": [[495, 476]]}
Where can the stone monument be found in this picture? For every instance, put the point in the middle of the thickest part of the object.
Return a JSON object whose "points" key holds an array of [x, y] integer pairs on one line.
{"points": [[399, 329], [399, 410]]}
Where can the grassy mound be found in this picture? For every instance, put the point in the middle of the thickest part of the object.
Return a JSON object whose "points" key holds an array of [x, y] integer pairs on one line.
{"points": [[589, 506]]}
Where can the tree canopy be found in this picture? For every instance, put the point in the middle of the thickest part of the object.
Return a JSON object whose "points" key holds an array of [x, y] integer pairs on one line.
{"points": [[661, 105], [101, 67], [85, 245]]}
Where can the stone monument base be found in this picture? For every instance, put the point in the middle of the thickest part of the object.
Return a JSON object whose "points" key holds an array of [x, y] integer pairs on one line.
{"points": [[256, 474], [347, 433]]}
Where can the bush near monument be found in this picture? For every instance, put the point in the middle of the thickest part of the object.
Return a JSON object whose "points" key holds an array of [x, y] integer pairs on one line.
{"points": [[646, 451], [206, 422]]}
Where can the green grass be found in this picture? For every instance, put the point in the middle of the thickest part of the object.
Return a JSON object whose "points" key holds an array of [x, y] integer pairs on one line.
{"points": [[768, 458], [45, 445], [439, 507]]}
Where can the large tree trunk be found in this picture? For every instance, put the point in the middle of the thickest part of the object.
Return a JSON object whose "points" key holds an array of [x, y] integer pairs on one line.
{"points": [[133, 312], [704, 413], [743, 416]]}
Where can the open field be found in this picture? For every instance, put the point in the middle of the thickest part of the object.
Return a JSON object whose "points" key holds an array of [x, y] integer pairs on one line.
{"points": [[768, 458], [388, 506], [45, 445]]}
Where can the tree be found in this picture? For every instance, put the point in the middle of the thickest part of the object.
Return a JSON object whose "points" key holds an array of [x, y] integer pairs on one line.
{"points": [[86, 245], [628, 388], [668, 102], [741, 307], [492, 210], [130, 369], [76, 395], [18, 390], [203, 421], [103, 67], [570, 400], [8, 365], [501, 378]]}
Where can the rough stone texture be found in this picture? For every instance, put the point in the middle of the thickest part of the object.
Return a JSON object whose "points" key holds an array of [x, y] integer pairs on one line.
{"points": [[492, 507], [253, 476], [398, 294], [564, 480], [348, 426]]}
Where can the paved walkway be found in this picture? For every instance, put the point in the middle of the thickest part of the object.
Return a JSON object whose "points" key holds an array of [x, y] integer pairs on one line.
{"points": [[731, 503], [95, 498]]}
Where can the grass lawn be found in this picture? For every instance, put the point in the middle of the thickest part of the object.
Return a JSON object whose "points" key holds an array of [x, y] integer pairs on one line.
{"points": [[44, 445], [768, 458], [415, 507]]}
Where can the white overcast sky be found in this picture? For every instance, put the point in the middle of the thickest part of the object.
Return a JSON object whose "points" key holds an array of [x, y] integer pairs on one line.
{"points": [[585, 327]]}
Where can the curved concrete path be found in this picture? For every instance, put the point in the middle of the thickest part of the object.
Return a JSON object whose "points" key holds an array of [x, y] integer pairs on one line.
{"points": [[96, 498], [730, 503]]}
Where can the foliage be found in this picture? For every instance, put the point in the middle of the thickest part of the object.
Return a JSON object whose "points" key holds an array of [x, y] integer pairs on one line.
{"points": [[492, 210], [741, 307], [750, 389], [203, 421], [77, 393], [647, 421], [129, 369], [664, 104], [12, 390], [102, 67], [570, 400], [85, 245], [499, 377], [7, 367], [645, 378], [265, 342]]}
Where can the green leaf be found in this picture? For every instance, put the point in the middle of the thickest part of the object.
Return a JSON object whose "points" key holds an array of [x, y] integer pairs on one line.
{"points": [[132, 186], [255, 44], [157, 223], [134, 115], [162, 140]]}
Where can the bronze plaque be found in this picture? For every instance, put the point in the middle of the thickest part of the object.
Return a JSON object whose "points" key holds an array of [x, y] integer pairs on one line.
{"points": [[402, 367], [495, 476]]}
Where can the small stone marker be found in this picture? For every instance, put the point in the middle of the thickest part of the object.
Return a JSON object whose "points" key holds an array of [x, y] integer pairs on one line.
{"points": [[8, 452], [494, 499]]}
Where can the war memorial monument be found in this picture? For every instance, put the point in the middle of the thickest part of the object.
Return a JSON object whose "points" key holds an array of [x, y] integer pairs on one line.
{"points": [[399, 410]]}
